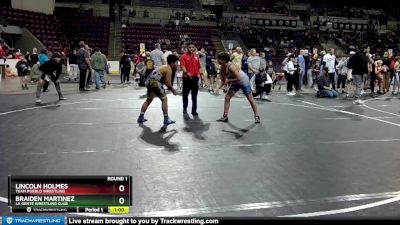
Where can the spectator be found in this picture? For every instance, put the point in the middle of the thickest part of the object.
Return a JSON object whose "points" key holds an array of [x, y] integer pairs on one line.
{"points": [[203, 59], [325, 87], [253, 62], [342, 73], [237, 56], [125, 67], [396, 78], [211, 73], [99, 62], [23, 69], [358, 65], [187, 21], [290, 77], [263, 62], [33, 58], [329, 61], [386, 76], [84, 65], [302, 66], [157, 56], [73, 65], [141, 72], [2, 53], [380, 71], [43, 58]]}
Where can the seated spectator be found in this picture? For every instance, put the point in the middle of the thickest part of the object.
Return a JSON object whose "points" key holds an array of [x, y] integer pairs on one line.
{"points": [[324, 86]]}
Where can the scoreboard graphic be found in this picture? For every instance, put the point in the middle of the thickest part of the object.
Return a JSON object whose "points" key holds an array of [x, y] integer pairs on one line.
{"points": [[58, 194]]}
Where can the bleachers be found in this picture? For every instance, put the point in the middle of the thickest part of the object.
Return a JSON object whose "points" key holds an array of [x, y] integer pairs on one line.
{"points": [[379, 43], [93, 30], [186, 4], [149, 34], [338, 10], [44, 27], [266, 6], [280, 42], [64, 29]]}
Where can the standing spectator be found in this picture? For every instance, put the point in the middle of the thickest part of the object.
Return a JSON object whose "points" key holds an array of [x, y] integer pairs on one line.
{"points": [[23, 69], [99, 62], [237, 56], [308, 68], [263, 62], [358, 69], [73, 65], [373, 76], [157, 56], [302, 65], [290, 70], [342, 73], [386, 76], [89, 80], [125, 67], [187, 21], [43, 58], [2, 52], [380, 71], [190, 65], [33, 58], [212, 74], [254, 63], [329, 61], [396, 78], [84, 65], [204, 75]]}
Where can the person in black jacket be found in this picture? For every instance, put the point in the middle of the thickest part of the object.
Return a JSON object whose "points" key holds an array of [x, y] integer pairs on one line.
{"points": [[23, 71], [51, 71], [125, 67], [212, 74]]}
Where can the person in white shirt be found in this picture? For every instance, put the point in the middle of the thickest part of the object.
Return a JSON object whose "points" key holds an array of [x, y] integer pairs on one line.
{"points": [[329, 61], [167, 53], [187, 21], [290, 75], [157, 56]]}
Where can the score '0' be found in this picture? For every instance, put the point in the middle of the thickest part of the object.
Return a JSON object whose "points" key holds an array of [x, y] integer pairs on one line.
{"points": [[121, 188]]}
